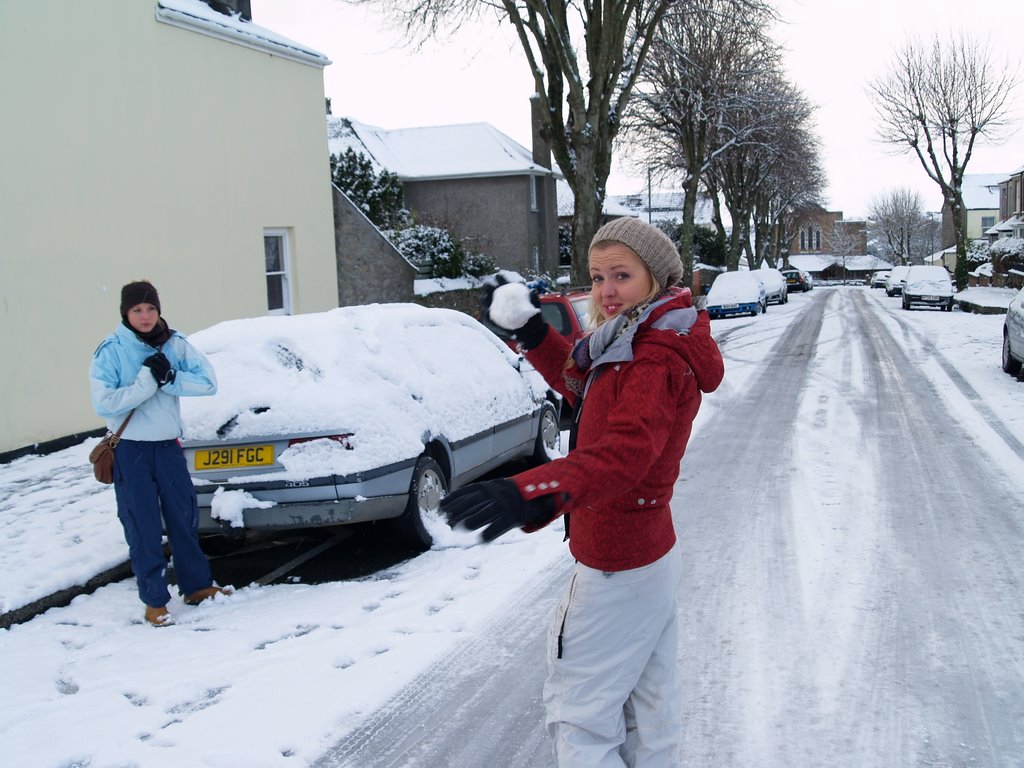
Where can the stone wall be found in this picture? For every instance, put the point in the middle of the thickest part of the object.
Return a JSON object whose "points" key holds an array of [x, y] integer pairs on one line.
{"points": [[370, 268]]}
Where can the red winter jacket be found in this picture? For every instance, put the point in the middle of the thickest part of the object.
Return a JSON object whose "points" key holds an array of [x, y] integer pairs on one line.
{"points": [[633, 428]]}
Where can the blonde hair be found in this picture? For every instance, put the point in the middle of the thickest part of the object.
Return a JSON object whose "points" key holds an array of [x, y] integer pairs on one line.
{"points": [[596, 315]]}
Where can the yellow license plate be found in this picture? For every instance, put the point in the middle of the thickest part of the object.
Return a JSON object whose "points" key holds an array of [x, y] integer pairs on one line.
{"points": [[239, 456]]}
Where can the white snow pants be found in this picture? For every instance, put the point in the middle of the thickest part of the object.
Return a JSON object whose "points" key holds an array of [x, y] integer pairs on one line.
{"points": [[613, 694]]}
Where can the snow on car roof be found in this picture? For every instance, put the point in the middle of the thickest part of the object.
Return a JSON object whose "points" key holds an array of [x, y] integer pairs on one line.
{"points": [[391, 374], [731, 287]]}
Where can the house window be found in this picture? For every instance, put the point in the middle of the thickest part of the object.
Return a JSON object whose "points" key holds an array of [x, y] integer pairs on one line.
{"points": [[533, 193], [276, 260], [803, 240], [817, 240], [988, 221]]}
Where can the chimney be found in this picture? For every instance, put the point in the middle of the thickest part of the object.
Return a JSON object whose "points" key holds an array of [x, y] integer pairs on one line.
{"points": [[541, 148]]}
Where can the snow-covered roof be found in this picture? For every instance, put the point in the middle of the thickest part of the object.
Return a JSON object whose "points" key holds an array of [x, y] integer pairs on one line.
{"points": [[1006, 225], [665, 206], [818, 262], [567, 202], [981, 190], [461, 151], [197, 16]]}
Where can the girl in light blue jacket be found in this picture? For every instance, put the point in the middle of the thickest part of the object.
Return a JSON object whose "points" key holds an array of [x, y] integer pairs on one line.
{"points": [[141, 369]]}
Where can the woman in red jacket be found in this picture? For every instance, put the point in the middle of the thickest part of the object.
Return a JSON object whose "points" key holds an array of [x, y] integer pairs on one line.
{"points": [[613, 693]]}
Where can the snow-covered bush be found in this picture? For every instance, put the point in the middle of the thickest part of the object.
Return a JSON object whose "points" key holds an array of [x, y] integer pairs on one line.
{"points": [[379, 195], [480, 264], [1007, 253], [433, 250], [977, 253]]}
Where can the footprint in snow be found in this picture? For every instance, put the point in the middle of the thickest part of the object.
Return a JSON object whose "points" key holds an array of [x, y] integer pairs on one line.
{"points": [[301, 630]]}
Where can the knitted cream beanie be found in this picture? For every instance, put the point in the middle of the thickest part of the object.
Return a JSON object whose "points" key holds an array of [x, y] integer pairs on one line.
{"points": [[652, 245]]}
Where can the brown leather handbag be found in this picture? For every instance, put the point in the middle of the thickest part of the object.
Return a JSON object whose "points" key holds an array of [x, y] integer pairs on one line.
{"points": [[102, 456]]}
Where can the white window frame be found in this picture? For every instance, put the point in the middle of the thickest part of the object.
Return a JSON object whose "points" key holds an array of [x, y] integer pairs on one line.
{"points": [[285, 273], [533, 192]]}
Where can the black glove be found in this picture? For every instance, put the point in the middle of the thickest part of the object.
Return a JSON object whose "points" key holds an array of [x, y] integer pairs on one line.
{"points": [[496, 504], [532, 332], [160, 367]]}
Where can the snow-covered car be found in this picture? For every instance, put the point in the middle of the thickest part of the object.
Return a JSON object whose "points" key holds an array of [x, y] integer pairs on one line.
{"points": [[878, 278], [775, 291], [354, 415], [894, 281], [736, 293], [808, 280], [928, 286], [1013, 335]]}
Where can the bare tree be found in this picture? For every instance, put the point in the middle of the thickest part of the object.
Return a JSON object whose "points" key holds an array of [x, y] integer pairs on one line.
{"points": [[747, 173], [702, 56], [795, 180], [936, 101], [585, 58], [898, 221], [843, 242]]}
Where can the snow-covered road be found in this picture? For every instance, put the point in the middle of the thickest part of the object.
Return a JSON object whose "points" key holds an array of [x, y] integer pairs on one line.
{"points": [[851, 590]]}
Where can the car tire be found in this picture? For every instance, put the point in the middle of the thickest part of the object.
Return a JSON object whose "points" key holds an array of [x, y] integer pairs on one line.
{"points": [[429, 485], [1011, 365], [549, 435]]}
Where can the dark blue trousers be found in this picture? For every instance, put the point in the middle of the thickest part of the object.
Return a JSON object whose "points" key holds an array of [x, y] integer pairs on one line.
{"points": [[150, 477]]}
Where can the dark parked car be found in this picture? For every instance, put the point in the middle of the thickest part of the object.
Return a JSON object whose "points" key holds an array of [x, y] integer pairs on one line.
{"points": [[1013, 335], [354, 415], [795, 280]]}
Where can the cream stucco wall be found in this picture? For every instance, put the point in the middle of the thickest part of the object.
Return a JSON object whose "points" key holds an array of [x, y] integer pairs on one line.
{"points": [[134, 149]]}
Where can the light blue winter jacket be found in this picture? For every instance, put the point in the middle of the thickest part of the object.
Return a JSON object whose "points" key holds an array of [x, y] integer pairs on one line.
{"points": [[119, 382]]}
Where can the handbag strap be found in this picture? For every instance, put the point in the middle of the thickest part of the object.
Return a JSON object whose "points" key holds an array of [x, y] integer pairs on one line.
{"points": [[117, 435]]}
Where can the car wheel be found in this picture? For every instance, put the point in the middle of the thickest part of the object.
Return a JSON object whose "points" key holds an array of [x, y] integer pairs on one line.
{"points": [[429, 485], [549, 435], [1011, 365]]}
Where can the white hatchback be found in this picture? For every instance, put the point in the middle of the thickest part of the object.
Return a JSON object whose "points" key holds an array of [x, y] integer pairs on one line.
{"points": [[928, 286]]}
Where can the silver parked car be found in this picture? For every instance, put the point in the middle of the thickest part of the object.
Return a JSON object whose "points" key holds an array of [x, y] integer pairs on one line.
{"points": [[894, 280], [1013, 335], [357, 414], [775, 289], [878, 278]]}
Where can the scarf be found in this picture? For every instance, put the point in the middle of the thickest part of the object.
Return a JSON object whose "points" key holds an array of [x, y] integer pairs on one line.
{"points": [[591, 346], [155, 338]]}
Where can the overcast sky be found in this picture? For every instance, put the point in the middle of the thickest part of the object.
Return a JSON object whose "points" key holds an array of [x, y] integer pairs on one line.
{"points": [[481, 75]]}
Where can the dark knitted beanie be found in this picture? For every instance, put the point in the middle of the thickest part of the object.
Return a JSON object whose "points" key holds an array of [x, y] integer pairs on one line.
{"points": [[652, 245], [141, 292]]}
